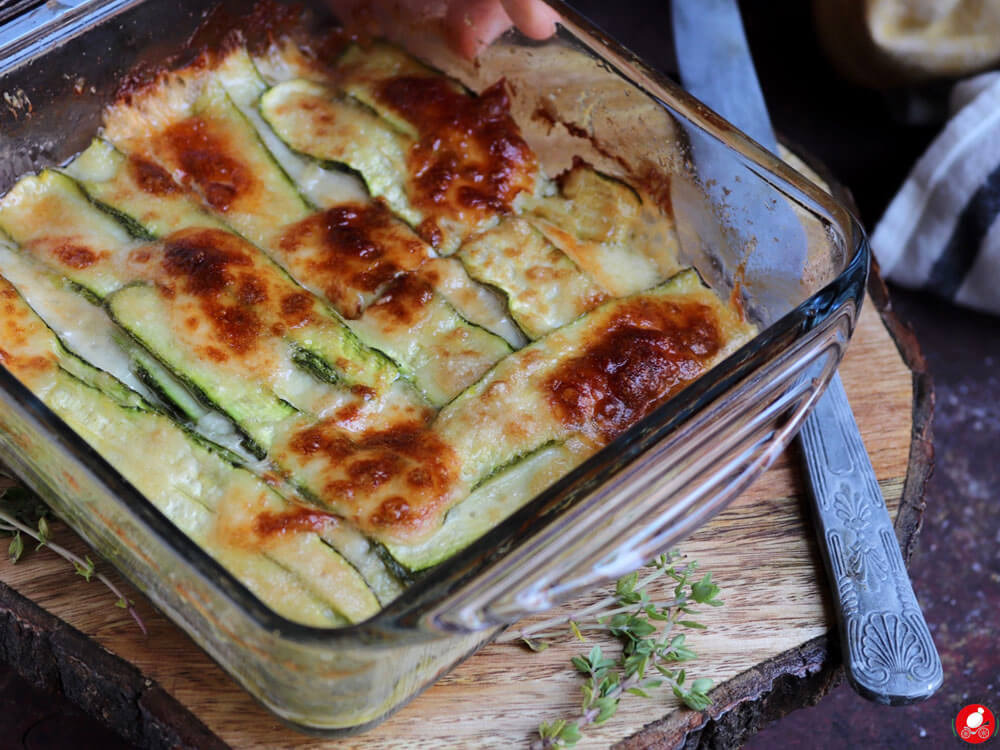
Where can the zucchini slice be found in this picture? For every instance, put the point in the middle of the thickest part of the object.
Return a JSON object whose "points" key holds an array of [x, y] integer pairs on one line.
{"points": [[142, 310], [349, 253], [545, 289], [362, 71], [340, 133], [137, 191], [210, 147], [494, 500], [52, 219], [597, 375], [600, 223], [241, 79], [217, 152], [393, 480], [438, 349], [478, 304]]}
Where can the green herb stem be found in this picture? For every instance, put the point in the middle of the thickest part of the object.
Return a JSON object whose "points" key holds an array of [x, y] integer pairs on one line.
{"points": [[645, 628], [83, 565]]}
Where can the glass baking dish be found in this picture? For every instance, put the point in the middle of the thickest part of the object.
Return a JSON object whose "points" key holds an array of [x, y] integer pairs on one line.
{"points": [[578, 93]]}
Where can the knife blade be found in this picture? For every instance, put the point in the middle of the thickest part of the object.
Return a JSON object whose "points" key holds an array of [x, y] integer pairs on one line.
{"points": [[889, 655]]}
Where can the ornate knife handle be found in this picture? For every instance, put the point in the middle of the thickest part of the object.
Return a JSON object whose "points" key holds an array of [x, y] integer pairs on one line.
{"points": [[888, 651]]}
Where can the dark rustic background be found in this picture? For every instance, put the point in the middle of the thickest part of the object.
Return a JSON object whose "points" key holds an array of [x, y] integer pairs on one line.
{"points": [[956, 566]]}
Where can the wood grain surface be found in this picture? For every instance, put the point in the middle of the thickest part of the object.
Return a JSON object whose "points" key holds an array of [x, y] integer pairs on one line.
{"points": [[761, 551]]}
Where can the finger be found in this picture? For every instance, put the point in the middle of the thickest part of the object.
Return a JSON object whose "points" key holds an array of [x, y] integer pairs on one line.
{"points": [[473, 25], [533, 18], [388, 17]]}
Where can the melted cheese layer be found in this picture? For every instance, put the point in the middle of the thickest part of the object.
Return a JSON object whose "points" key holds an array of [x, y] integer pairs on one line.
{"points": [[415, 400]]}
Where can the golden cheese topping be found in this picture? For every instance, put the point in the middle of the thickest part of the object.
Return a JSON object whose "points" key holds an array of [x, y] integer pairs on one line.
{"points": [[648, 350], [20, 334], [222, 293], [350, 252], [469, 160], [388, 394], [392, 483]]}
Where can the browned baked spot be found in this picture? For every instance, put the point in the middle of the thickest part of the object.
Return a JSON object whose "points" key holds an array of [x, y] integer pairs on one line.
{"points": [[396, 480], [202, 154], [403, 301], [75, 256], [151, 177], [469, 156], [204, 261], [296, 309], [350, 250], [141, 255], [293, 520], [23, 366], [217, 268], [647, 352], [430, 232], [396, 512], [215, 354], [236, 327], [15, 337]]}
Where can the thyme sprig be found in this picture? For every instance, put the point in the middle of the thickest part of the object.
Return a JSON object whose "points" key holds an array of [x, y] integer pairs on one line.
{"points": [[20, 504], [650, 646]]}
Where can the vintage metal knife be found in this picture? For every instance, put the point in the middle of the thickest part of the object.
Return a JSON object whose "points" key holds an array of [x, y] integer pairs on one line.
{"points": [[889, 655]]}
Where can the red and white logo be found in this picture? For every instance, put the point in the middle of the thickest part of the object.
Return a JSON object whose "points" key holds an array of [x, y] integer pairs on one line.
{"points": [[975, 724]]}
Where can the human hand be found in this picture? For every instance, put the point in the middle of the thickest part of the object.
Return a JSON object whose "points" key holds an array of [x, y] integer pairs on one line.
{"points": [[471, 25]]}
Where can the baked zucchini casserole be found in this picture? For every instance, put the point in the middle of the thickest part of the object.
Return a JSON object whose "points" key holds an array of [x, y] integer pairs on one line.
{"points": [[332, 319]]}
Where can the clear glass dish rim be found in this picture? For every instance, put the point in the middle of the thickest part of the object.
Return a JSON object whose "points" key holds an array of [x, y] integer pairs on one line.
{"points": [[401, 617]]}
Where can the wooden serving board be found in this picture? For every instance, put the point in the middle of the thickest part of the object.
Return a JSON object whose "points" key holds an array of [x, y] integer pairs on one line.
{"points": [[769, 649]]}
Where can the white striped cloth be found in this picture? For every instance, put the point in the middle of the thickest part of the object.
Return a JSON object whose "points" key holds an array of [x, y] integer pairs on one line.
{"points": [[942, 230]]}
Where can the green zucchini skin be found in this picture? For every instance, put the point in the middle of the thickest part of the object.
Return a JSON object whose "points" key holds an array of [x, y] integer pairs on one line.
{"points": [[175, 397]]}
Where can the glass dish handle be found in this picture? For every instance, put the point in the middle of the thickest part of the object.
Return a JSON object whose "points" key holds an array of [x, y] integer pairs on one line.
{"points": [[661, 497]]}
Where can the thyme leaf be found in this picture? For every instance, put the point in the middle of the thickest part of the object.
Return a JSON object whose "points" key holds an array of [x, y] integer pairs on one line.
{"points": [[646, 630], [18, 506]]}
